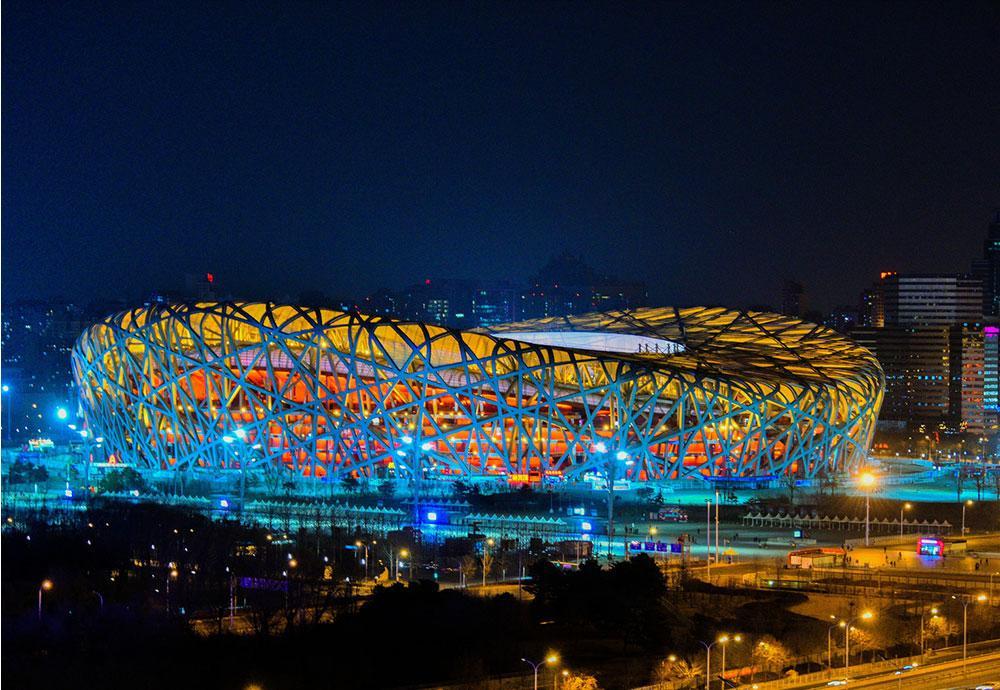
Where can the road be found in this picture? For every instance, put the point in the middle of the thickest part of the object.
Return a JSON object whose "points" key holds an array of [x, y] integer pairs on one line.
{"points": [[943, 676]]}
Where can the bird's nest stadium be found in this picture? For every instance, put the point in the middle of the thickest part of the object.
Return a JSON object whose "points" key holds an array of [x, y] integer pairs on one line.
{"points": [[659, 393]]}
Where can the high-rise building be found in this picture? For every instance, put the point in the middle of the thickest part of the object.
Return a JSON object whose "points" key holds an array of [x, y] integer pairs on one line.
{"points": [[450, 302], [37, 339], [793, 299], [493, 305], [991, 369], [991, 268], [917, 371], [927, 300], [968, 357], [843, 318], [566, 285], [926, 330]]}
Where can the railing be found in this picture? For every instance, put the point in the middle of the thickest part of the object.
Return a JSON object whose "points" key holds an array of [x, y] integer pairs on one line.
{"points": [[947, 657]]}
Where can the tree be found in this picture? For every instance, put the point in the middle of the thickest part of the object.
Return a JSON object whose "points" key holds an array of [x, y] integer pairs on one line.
{"points": [[829, 483], [489, 557], [387, 489], [463, 491], [675, 670], [22, 472], [626, 601], [468, 567], [770, 653], [121, 481], [789, 481], [579, 681], [940, 627]]}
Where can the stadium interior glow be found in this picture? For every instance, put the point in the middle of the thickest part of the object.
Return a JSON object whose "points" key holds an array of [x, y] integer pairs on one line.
{"points": [[675, 392]]}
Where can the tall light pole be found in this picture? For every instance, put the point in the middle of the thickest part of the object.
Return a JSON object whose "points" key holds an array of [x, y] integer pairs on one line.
{"points": [[717, 531], [172, 575], [721, 640], [867, 483], [403, 553], [967, 599], [550, 659], [708, 538], [905, 506], [416, 471], [45, 586], [934, 613], [829, 642], [486, 549], [867, 615], [965, 504], [991, 585], [610, 474], [358, 544], [9, 403], [725, 639], [241, 434]]}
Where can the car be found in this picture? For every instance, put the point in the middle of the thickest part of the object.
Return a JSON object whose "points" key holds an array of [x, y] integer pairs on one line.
{"points": [[838, 681], [992, 685]]}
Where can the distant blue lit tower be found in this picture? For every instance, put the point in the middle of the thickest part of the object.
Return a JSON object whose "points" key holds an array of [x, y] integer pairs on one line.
{"points": [[991, 278]]}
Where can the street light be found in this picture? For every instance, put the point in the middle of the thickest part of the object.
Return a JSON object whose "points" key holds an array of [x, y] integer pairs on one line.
{"points": [[829, 641], [550, 659], [489, 542], [867, 615], [905, 506], [967, 503], [724, 640], [934, 613], [45, 586], [10, 410], [241, 434], [358, 544], [172, 575], [721, 640], [403, 553], [708, 539], [967, 599], [867, 482]]}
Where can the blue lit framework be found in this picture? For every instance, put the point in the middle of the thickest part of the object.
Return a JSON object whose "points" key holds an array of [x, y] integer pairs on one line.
{"points": [[668, 392]]}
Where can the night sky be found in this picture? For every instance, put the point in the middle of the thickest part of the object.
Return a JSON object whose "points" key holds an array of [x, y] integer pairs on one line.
{"points": [[710, 150]]}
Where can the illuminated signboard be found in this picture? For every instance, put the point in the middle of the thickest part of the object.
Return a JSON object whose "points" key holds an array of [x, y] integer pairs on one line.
{"points": [[930, 546]]}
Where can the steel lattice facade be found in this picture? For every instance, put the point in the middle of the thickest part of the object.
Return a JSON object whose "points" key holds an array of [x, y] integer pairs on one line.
{"points": [[667, 392]]}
